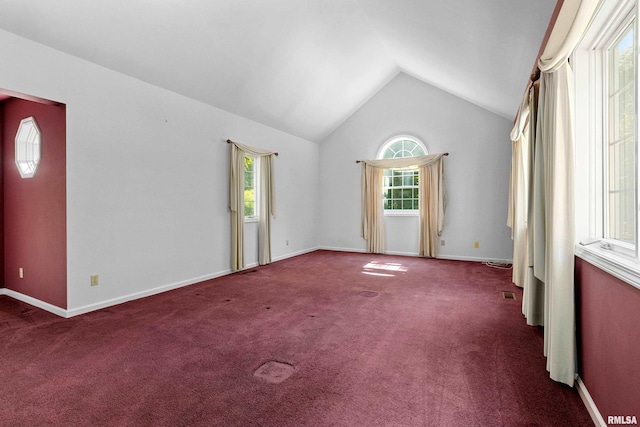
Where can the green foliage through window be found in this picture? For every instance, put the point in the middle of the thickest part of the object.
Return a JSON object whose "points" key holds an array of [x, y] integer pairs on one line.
{"points": [[249, 187]]}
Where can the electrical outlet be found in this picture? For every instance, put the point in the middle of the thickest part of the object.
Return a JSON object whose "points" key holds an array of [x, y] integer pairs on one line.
{"points": [[441, 242], [21, 273], [94, 280], [287, 243], [476, 244]]}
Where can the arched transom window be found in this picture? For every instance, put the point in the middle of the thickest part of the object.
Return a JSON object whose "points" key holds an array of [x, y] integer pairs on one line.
{"points": [[401, 185]]}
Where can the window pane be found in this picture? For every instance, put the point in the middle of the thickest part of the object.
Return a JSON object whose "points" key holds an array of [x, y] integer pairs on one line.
{"points": [[403, 148], [394, 149], [248, 209], [621, 185], [249, 187], [417, 151], [401, 186]]}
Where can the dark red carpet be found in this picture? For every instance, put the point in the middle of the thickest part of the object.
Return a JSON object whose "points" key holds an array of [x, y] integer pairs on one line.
{"points": [[323, 339]]}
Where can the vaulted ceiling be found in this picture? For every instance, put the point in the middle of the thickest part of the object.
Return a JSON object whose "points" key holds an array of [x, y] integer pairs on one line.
{"points": [[301, 66]]}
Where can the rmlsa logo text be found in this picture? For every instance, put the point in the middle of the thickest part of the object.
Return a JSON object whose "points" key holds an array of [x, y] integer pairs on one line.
{"points": [[622, 419]]}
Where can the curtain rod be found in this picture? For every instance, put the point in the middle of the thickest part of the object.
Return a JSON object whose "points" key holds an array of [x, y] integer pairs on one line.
{"points": [[231, 142], [360, 161]]}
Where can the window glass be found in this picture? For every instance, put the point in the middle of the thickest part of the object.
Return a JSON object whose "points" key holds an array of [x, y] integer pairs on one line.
{"points": [[27, 154], [620, 219], [250, 187], [401, 185]]}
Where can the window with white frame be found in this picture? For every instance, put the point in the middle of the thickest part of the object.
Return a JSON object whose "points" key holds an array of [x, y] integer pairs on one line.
{"points": [[28, 140], [401, 185], [620, 138], [606, 72], [251, 165]]}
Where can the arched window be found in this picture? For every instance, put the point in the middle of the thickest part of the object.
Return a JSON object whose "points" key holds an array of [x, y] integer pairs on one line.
{"points": [[401, 185]]}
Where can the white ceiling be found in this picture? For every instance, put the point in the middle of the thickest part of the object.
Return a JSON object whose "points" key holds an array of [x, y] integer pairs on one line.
{"points": [[301, 66]]}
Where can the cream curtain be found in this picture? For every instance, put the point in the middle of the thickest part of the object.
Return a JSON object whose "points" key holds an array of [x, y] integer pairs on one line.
{"points": [[432, 204], [373, 208], [267, 209], [549, 288], [522, 207], [432, 200], [266, 203], [518, 192], [572, 22], [556, 140], [236, 205], [533, 296]]}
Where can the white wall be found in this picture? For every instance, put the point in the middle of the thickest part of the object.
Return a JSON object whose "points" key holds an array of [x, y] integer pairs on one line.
{"points": [[147, 178], [477, 170]]}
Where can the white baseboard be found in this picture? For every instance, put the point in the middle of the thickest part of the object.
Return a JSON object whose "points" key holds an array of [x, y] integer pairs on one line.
{"points": [[331, 248], [130, 297], [108, 303], [281, 257], [143, 294], [475, 259], [292, 254], [34, 302], [415, 254], [589, 403], [160, 289]]}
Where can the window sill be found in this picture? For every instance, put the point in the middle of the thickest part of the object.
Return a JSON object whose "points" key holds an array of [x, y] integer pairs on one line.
{"points": [[252, 219], [401, 213], [617, 265]]}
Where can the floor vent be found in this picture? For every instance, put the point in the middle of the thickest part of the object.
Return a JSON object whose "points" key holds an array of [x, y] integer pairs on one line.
{"points": [[508, 295], [274, 372]]}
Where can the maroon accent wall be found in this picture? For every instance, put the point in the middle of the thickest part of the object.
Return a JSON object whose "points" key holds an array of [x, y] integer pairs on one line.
{"points": [[35, 218], [1, 197], [608, 329]]}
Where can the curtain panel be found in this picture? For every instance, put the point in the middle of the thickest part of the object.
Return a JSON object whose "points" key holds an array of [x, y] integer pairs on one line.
{"points": [[236, 205], [373, 208], [267, 209], [548, 279], [266, 203], [533, 295], [522, 206], [518, 191], [555, 139], [432, 190]]}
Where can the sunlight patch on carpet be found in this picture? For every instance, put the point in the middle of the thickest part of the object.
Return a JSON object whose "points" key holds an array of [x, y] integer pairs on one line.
{"points": [[386, 269], [274, 372]]}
